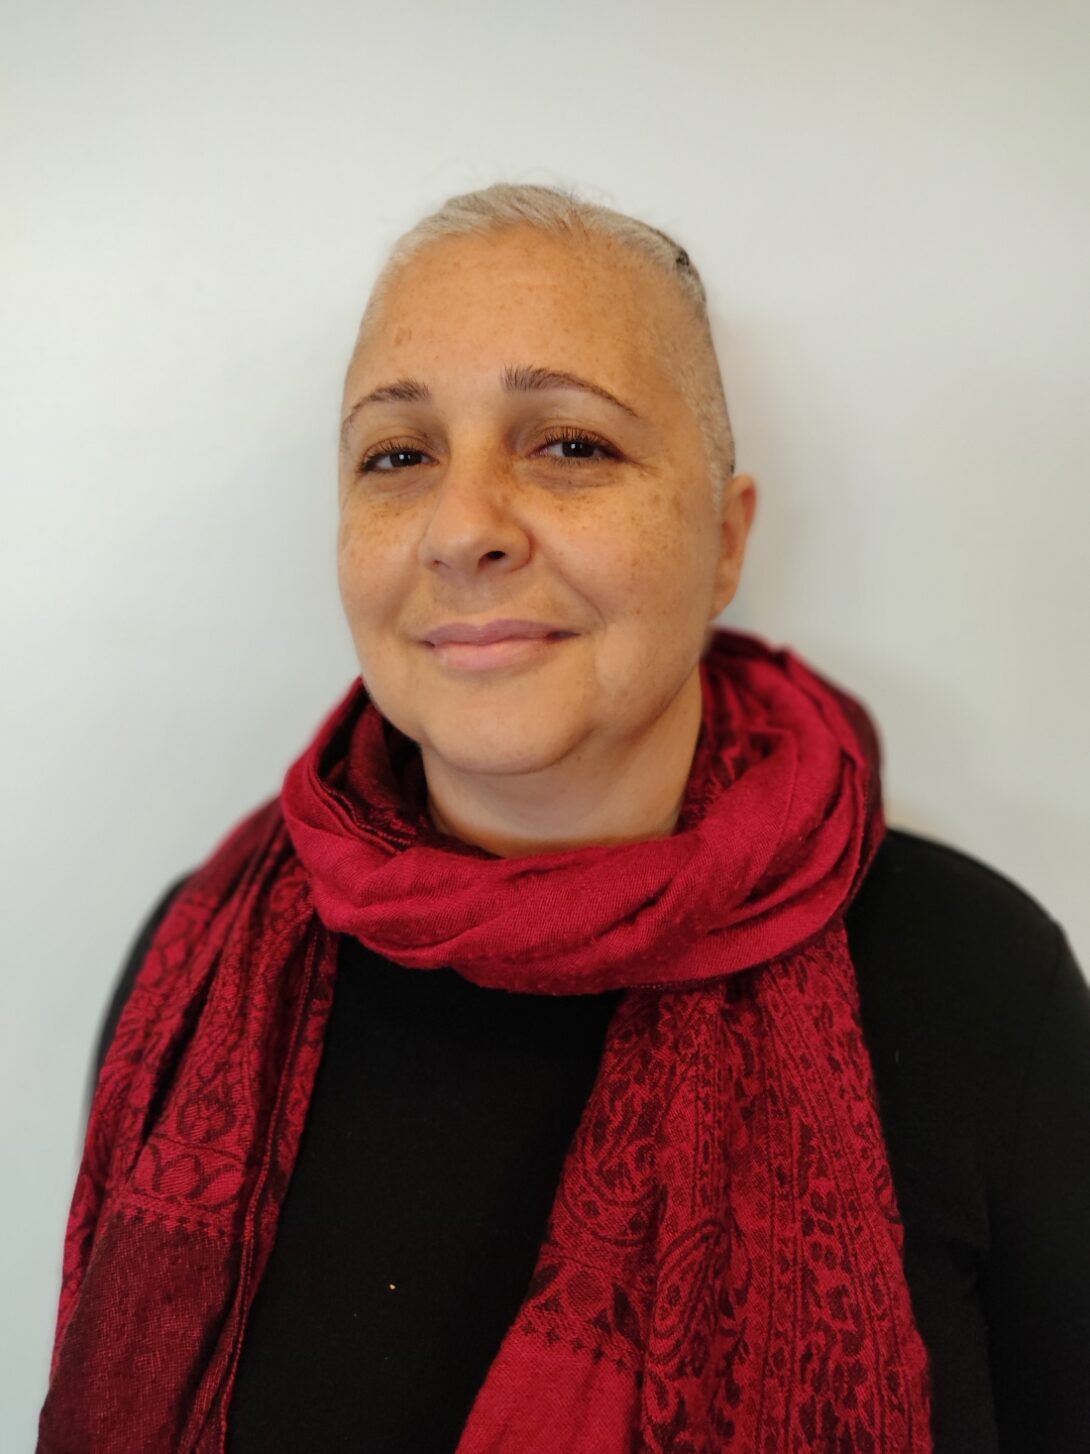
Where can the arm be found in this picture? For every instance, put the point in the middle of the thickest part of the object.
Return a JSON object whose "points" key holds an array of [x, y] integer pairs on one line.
{"points": [[1036, 1288]]}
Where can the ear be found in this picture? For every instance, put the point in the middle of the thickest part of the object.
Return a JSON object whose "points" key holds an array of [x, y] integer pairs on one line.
{"points": [[739, 508]]}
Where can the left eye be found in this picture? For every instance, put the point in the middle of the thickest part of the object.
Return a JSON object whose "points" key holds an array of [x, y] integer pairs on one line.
{"points": [[580, 441]]}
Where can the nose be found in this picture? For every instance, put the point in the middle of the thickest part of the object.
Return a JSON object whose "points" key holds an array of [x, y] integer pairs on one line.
{"points": [[475, 519]]}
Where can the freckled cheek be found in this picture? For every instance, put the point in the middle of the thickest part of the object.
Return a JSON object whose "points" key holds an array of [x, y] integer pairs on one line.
{"points": [[367, 571], [653, 558], [597, 564]]}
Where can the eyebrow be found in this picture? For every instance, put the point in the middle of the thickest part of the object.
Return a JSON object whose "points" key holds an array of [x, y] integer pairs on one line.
{"points": [[515, 379]]}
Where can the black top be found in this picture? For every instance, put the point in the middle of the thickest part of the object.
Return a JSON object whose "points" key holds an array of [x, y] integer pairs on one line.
{"points": [[442, 1112]]}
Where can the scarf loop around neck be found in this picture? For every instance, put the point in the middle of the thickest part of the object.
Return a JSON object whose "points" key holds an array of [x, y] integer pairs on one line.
{"points": [[722, 1264]]}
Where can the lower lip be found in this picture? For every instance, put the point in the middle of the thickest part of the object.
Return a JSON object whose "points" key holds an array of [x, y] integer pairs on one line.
{"points": [[513, 650]]}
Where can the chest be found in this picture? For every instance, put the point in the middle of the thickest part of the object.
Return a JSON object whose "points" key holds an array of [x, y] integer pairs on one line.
{"points": [[433, 1147]]}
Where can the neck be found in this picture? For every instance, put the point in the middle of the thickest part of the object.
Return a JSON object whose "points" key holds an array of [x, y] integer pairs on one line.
{"points": [[619, 794]]}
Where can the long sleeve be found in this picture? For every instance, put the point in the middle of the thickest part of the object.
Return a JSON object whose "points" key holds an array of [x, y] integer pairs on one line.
{"points": [[1036, 1289]]}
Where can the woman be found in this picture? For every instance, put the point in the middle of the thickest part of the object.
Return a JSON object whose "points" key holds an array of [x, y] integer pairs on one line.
{"points": [[723, 1117]]}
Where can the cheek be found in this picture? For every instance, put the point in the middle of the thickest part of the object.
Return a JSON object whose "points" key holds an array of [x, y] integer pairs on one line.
{"points": [[364, 568], [349, 573], [655, 555]]}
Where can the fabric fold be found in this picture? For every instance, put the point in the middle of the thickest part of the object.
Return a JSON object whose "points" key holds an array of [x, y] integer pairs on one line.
{"points": [[722, 1264]]}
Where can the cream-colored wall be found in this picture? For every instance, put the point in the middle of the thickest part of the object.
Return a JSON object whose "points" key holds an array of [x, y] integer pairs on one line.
{"points": [[890, 206]]}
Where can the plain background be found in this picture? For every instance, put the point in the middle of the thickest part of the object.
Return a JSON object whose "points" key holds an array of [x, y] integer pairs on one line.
{"points": [[890, 208]]}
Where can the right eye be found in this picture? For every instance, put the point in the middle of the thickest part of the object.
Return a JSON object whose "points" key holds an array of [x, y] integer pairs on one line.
{"points": [[392, 449]]}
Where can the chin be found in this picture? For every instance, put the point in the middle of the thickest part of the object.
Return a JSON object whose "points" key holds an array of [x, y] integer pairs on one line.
{"points": [[495, 748]]}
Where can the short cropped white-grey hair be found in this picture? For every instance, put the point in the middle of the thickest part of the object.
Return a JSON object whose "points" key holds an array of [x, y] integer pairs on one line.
{"points": [[562, 213]]}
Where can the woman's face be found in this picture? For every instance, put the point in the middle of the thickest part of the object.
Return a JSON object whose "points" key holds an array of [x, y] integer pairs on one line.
{"points": [[460, 502]]}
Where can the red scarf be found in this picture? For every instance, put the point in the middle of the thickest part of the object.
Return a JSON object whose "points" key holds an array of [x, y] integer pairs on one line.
{"points": [[721, 1268]]}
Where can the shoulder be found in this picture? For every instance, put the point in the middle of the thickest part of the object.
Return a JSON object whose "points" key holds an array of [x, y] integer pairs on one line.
{"points": [[955, 925], [940, 891], [976, 1016], [966, 985], [125, 977], [219, 870]]}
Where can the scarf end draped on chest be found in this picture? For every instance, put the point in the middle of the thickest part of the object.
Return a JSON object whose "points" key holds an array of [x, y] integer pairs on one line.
{"points": [[722, 1265]]}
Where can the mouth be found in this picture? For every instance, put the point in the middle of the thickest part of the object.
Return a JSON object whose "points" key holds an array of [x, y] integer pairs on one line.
{"points": [[466, 656]]}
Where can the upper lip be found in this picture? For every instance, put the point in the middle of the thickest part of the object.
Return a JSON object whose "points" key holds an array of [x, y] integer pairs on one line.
{"points": [[490, 631]]}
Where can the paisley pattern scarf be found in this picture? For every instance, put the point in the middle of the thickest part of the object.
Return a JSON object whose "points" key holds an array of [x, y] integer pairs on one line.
{"points": [[721, 1267]]}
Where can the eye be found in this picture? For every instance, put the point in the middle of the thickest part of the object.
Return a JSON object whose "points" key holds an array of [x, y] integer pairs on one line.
{"points": [[393, 449], [578, 437]]}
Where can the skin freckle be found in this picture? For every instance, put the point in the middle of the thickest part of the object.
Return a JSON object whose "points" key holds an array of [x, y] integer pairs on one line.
{"points": [[621, 554]]}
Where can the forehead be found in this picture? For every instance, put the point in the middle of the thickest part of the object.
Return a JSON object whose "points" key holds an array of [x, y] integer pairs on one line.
{"points": [[564, 302]]}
